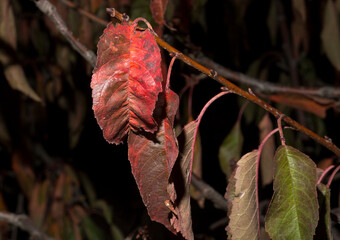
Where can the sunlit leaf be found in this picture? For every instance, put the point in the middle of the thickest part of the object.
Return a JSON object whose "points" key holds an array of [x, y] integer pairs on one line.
{"points": [[293, 211], [126, 81], [323, 230], [243, 217], [230, 149], [330, 35]]}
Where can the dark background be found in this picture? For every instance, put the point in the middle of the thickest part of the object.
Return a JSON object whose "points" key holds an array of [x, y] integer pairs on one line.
{"points": [[61, 130]]}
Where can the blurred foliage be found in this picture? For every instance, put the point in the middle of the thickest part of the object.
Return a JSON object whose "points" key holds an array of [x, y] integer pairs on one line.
{"points": [[52, 155]]}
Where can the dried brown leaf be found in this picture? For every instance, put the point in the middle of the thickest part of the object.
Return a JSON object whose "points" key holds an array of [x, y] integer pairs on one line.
{"points": [[38, 202], [24, 173], [330, 35], [314, 105], [243, 223], [300, 9], [17, 80], [7, 24], [268, 151]]}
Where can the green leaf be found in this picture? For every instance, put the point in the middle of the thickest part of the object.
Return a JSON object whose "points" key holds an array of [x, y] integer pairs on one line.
{"points": [[293, 211], [230, 150], [323, 230], [88, 188], [116, 233], [141, 8], [105, 208], [198, 13], [330, 35], [243, 213], [272, 22], [91, 229]]}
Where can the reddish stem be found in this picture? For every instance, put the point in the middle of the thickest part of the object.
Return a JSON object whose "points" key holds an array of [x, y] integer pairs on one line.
{"points": [[324, 174], [332, 176], [241, 111], [145, 21], [167, 85], [198, 120]]}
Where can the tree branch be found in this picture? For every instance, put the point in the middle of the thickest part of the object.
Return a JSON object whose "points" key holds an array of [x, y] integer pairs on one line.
{"points": [[210, 193], [233, 88], [261, 86], [47, 8], [24, 223], [84, 13], [267, 87]]}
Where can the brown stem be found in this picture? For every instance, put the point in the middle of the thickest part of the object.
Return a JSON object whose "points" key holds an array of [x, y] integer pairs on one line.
{"points": [[324, 92], [282, 138], [24, 223], [46, 7], [233, 88]]}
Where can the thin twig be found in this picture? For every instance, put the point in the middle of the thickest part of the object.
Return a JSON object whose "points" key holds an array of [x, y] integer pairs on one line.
{"points": [[24, 223], [91, 16], [47, 8], [209, 193]]}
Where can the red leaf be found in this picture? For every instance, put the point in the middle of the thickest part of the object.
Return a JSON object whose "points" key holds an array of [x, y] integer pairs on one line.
{"points": [[158, 8], [152, 157], [126, 81]]}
